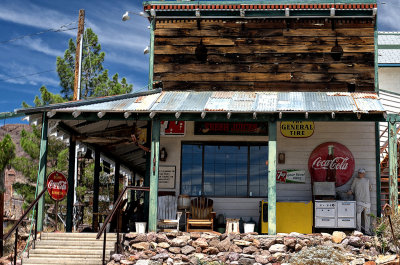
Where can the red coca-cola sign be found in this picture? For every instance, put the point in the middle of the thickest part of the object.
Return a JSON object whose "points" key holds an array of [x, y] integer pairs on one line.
{"points": [[331, 161], [57, 185]]}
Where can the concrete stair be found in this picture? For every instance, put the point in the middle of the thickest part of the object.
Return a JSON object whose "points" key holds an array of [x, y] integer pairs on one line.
{"points": [[70, 248]]}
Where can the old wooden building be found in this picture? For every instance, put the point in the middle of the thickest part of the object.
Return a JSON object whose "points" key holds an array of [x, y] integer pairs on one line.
{"points": [[229, 81]]}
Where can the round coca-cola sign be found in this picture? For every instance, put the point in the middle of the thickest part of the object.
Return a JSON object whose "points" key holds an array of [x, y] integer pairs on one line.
{"points": [[332, 162], [57, 185]]}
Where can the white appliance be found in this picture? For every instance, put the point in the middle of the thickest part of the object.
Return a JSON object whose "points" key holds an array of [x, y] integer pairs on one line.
{"points": [[335, 214]]}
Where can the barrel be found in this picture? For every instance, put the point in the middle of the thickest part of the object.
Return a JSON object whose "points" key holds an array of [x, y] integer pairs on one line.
{"points": [[183, 202]]}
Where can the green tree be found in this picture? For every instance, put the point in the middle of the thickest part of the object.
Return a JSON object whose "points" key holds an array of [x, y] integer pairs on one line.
{"points": [[7, 154], [95, 81], [57, 157]]}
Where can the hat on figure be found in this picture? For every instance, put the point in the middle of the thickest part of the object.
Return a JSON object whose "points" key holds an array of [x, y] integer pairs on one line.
{"points": [[361, 170]]}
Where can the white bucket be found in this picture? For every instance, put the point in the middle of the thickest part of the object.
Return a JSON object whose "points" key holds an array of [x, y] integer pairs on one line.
{"points": [[248, 227], [140, 227]]}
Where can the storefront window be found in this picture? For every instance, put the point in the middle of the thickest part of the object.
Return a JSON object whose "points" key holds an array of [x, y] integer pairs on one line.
{"points": [[224, 170]]}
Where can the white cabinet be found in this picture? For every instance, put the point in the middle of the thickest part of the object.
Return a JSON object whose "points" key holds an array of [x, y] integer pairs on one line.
{"points": [[335, 214]]}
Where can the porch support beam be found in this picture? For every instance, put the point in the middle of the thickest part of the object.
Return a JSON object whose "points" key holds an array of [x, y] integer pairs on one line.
{"points": [[151, 59], [42, 170], [272, 178], [96, 186], [116, 180], [71, 182], [393, 189], [154, 161]]}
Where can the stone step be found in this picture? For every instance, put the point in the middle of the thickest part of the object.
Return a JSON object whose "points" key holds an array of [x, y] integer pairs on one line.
{"points": [[76, 235], [108, 247], [55, 254], [49, 252], [74, 242], [76, 261]]}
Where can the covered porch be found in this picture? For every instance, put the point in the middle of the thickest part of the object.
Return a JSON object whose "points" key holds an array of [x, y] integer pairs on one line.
{"points": [[130, 131]]}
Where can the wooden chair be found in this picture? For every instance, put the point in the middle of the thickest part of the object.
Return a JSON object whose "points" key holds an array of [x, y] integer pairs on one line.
{"points": [[167, 215], [201, 217]]}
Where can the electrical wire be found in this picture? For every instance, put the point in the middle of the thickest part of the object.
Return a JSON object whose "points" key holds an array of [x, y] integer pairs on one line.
{"points": [[60, 29], [23, 76]]}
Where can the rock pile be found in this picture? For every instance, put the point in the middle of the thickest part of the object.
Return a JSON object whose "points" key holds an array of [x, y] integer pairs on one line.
{"points": [[243, 249]]}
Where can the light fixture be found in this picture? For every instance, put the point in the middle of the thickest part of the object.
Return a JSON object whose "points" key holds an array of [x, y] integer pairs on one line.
{"points": [[306, 115], [127, 114], [126, 16], [254, 115], [333, 115], [281, 158], [146, 50], [177, 115], [152, 114], [358, 115], [51, 113], [152, 12], [280, 115], [163, 154], [76, 113], [203, 115], [101, 114], [287, 12], [228, 115]]}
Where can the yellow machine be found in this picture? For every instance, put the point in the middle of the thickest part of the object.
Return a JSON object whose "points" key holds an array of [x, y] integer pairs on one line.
{"points": [[290, 217]]}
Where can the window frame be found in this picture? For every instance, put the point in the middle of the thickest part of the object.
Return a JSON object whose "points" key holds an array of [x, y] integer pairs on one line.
{"points": [[228, 143]]}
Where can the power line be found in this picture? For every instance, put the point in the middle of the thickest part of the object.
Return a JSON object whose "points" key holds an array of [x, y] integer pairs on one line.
{"points": [[60, 29], [23, 76]]}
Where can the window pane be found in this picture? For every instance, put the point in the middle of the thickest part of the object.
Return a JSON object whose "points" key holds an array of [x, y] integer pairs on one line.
{"points": [[258, 171], [191, 169]]}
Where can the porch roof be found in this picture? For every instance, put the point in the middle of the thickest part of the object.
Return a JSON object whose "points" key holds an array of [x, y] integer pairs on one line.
{"points": [[221, 102]]}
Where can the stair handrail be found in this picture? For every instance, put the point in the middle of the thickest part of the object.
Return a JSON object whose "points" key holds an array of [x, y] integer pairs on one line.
{"points": [[16, 225], [385, 145], [110, 216]]}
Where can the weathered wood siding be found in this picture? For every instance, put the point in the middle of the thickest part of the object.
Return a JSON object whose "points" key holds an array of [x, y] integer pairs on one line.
{"points": [[264, 55]]}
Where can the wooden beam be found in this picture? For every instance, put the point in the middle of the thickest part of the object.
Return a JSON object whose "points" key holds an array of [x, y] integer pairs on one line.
{"points": [[71, 182], [378, 170], [155, 149], [393, 186], [151, 59], [272, 178], [42, 170], [96, 186], [116, 180]]}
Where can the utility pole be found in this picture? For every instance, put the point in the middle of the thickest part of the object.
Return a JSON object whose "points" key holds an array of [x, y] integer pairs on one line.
{"points": [[78, 55]]}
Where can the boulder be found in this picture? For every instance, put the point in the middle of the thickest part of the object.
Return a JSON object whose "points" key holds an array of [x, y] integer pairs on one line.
{"points": [[211, 251], [163, 245], [200, 242], [141, 246], [246, 261], [357, 233], [139, 238], [117, 257], [233, 256], [178, 242], [161, 256], [277, 248], [235, 248], [250, 250], [338, 236], [267, 242], [175, 250], [262, 259], [290, 242], [224, 245], [214, 242], [162, 238], [186, 250], [355, 241]]}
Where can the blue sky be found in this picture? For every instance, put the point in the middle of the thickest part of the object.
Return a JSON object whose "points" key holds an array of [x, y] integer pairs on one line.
{"points": [[123, 42]]}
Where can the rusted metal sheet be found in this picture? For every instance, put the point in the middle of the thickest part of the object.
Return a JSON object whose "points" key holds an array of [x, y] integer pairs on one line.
{"points": [[237, 101]]}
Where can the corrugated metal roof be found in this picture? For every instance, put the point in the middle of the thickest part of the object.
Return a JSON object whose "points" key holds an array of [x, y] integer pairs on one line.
{"points": [[388, 38], [231, 101], [389, 56], [388, 52]]}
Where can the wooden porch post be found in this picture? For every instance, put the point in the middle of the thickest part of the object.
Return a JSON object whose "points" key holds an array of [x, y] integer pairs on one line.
{"points": [[42, 171], [393, 189], [96, 186], [272, 178], [116, 181], [71, 182], [154, 152]]}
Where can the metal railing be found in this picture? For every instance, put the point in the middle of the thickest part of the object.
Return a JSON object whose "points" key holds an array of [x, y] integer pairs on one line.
{"points": [[16, 225], [111, 215]]}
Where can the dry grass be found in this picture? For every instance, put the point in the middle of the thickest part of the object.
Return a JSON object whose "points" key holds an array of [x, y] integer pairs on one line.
{"points": [[319, 255]]}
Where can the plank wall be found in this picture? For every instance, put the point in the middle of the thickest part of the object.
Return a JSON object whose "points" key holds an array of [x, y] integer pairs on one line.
{"points": [[264, 55]]}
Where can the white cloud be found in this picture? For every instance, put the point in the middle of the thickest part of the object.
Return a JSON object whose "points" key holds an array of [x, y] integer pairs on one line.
{"points": [[139, 64], [388, 16], [38, 45], [34, 16]]}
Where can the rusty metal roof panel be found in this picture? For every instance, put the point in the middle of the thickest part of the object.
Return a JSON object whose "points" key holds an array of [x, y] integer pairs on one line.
{"points": [[169, 101], [140, 103]]}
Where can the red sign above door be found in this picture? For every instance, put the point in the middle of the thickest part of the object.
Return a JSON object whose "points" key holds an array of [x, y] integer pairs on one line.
{"points": [[331, 161]]}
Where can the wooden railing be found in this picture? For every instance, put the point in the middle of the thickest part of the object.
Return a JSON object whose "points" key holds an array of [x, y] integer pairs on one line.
{"points": [[111, 215], [16, 225]]}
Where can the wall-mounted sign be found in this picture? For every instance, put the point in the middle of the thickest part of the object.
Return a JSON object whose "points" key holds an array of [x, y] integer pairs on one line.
{"points": [[166, 177], [172, 128], [290, 176], [57, 185], [332, 162], [230, 128], [297, 129]]}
